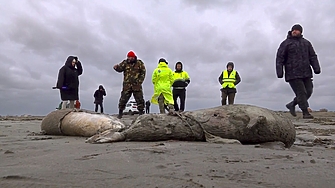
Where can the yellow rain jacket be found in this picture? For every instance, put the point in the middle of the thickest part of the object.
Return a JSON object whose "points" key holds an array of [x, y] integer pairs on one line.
{"points": [[162, 78]]}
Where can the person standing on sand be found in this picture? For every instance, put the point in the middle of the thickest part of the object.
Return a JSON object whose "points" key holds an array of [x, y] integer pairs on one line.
{"points": [[296, 55], [147, 107], [229, 79], [181, 81], [162, 79], [133, 76], [98, 98], [68, 81]]}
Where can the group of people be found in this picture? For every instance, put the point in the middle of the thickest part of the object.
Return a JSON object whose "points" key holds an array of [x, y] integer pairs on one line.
{"points": [[163, 78], [295, 57]]}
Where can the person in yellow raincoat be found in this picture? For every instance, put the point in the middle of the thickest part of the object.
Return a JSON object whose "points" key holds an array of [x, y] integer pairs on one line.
{"points": [[162, 78]]}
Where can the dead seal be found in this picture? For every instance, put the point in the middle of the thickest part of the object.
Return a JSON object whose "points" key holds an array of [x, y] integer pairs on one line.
{"points": [[74, 122], [246, 124]]}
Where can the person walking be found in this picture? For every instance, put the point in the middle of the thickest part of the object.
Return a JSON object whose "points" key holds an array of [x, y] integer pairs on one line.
{"points": [[98, 98], [228, 79], [133, 77], [147, 106], [68, 81], [295, 57], [162, 79], [181, 81]]}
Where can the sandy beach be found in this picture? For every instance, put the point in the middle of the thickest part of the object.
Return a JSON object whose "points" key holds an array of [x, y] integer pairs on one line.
{"points": [[28, 159]]}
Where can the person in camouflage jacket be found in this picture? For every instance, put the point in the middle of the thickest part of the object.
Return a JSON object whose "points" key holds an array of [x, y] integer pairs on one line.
{"points": [[133, 76]]}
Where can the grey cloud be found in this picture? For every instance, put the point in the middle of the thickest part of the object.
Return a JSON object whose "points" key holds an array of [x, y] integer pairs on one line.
{"points": [[207, 5], [37, 36]]}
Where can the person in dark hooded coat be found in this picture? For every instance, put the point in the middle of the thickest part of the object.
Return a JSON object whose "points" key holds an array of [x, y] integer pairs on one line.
{"points": [[296, 56], [68, 81], [229, 79], [98, 98]]}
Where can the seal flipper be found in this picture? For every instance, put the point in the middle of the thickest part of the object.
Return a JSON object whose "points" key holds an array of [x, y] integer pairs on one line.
{"points": [[255, 121], [106, 136]]}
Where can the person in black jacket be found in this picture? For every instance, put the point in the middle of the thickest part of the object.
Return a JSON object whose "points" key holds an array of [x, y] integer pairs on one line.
{"points": [[98, 98], [181, 81], [296, 55], [147, 107], [68, 81], [229, 79]]}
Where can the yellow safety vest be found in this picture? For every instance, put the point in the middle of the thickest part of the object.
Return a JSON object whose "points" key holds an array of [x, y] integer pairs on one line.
{"points": [[229, 81], [180, 76]]}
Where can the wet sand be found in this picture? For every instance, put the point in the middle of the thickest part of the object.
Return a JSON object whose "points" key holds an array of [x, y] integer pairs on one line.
{"points": [[28, 159]]}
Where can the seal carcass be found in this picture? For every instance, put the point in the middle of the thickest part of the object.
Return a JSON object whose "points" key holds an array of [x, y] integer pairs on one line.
{"points": [[246, 123], [74, 122]]}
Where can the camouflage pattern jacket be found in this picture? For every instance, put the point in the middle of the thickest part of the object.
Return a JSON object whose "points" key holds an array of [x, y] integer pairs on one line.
{"points": [[133, 74]]}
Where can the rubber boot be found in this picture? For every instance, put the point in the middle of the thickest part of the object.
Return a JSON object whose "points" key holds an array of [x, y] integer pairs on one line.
{"points": [[291, 107], [120, 114], [306, 114], [171, 109]]}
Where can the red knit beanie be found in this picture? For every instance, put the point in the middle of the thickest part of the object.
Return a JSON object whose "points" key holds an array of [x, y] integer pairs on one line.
{"points": [[131, 54]]}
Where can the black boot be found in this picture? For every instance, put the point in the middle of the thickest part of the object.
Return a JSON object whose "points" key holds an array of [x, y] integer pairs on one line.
{"points": [[306, 114], [140, 112], [120, 114], [291, 107]]}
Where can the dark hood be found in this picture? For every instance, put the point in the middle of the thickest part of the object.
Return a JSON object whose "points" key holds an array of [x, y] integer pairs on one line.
{"points": [[289, 35], [181, 70], [231, 64], [101, 87], [162, 60], [68, 61]]}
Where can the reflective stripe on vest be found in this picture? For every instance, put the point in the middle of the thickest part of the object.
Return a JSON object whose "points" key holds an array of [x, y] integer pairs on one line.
{"points": [[229, 81]]}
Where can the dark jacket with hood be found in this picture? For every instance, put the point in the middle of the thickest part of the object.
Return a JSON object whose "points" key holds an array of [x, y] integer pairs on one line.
{"points": [[68, 81], [99, 94], [180, 83], [147, 104], [297, 55], [237, 77]]}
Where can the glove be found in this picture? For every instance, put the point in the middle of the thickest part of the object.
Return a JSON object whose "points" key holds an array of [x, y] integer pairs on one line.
{"points": [[280, 73]]}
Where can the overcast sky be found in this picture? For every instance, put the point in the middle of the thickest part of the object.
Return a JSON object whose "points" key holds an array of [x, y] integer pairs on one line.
{"points": [[37, 36]]}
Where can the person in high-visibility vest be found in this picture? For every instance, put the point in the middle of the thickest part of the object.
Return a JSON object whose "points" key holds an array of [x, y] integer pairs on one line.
{"points": [[229, 79], [181, 81], [162, 79]]}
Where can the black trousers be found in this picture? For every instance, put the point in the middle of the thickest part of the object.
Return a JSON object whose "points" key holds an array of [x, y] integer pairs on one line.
{"points": [[101, 107], [181, 93], [303, 89], [147, 109], [230, 93]]}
